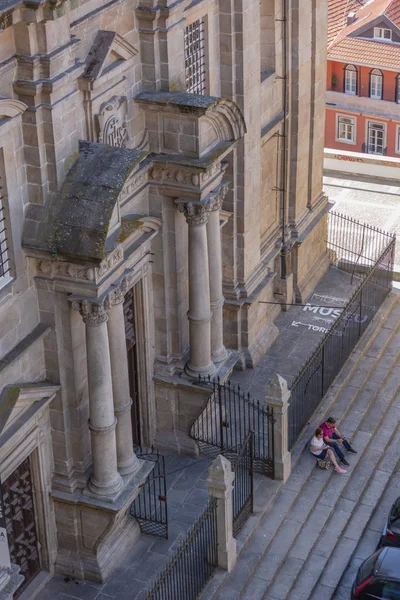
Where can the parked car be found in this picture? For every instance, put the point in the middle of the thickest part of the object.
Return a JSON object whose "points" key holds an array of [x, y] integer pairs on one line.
{"points": [[391, 531], [378, 577]]}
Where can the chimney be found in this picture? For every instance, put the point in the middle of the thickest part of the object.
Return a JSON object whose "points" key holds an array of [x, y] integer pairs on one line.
{"points": [[351, 17]]}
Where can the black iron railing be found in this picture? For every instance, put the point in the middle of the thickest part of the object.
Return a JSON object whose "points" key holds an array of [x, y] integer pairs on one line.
{"points": [[150, 506], [315, 377], [226, 419], [192, 565], [357, 246], [243, 484]]}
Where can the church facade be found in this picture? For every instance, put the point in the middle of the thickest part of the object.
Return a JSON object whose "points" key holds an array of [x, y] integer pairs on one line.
{"points": [[161, 189]]}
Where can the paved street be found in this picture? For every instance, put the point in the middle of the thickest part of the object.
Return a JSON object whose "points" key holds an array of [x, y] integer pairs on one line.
{"points": [[372, 202]]}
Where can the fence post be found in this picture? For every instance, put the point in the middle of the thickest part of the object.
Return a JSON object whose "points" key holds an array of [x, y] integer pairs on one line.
{"points": [[219, 485], [277, 398]]}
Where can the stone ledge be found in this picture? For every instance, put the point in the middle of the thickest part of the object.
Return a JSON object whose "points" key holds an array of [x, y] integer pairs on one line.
{"points": [[37, 334]]}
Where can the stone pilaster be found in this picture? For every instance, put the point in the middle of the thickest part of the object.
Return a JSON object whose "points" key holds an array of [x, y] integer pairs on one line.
{"points": [[105, 480], [199, 315], [127, 460], [218, 350]]}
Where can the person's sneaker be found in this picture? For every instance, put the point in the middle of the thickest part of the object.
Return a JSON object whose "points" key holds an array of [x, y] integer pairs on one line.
{"points": [[352, 451], [344, 462], [340, 470]]}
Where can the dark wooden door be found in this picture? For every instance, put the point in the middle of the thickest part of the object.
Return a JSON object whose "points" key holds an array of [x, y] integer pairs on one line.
{"points": [[131, 349], [19, 512]]}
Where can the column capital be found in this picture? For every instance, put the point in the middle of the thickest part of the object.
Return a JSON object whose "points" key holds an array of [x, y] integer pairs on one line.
{"points": [[93, 312], [216, 197], [196, 213], [120, 287]]}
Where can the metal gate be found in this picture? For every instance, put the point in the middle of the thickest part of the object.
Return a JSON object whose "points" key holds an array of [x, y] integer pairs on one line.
{"points": [[226, 419], [19, 512], [150, 506], [243, 485]]}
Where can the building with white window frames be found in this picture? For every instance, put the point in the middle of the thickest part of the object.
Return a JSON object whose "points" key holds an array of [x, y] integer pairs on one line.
{"points": [[363, 76], [148, 213]]}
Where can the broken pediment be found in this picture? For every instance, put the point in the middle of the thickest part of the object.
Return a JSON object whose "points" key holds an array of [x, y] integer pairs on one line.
{"points": [[16, 399], [109, 50], [84, 214]]}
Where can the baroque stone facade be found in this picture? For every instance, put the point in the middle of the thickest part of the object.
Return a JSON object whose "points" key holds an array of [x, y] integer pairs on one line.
{"points": [[144, 227]]}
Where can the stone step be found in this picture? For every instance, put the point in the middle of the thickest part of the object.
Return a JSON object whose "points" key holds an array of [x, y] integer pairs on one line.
{"points": [[371, 535], [279, 530], [346, 490], [328, 555], [284, 517]]}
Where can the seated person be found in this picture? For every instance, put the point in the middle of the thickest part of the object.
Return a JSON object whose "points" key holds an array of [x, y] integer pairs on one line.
{"points": [[320, 450], [333, 438]]}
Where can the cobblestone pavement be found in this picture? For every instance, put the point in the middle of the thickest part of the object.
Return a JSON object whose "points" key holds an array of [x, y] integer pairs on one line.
{"points": [[372, 202], [300, 330]]}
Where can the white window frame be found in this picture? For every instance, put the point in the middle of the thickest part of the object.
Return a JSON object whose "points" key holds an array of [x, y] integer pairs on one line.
{"points": [[379, 33], [381, 124], [397, 147], [376, 79], [398, 88], [352, 125], [350, 76]]}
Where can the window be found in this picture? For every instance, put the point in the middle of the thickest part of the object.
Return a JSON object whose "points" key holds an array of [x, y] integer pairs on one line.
{"points": [[382, 34], [391, 590], [398, 89], [195, 67], [375, 88], [267, 37], [376, 138], [398, 152], [346, 130], [350, 80], [4, 250]]}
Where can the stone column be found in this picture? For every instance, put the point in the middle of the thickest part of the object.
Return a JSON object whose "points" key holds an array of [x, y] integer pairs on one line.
{"points": [[199, 314], [218, 350], [219, 485], [105, 480], [126, 458], [277, 398]]}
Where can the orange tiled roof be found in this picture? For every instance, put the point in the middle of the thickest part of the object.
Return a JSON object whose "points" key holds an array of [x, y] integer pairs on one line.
{"points": [[345, 46], [337, 15], [367, 52]]}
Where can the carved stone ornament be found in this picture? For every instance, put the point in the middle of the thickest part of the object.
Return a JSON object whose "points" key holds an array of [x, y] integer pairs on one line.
{"points": [[195, 214], [217, 196], [67, 270], [111, 121], [117, 296], [93, 313]]}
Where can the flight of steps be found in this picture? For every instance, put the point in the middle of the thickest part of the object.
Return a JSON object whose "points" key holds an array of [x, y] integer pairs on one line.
{"points": [[304, 541]]}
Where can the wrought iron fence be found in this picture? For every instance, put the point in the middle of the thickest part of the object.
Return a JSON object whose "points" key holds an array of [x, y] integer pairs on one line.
{"points": [[315, 377], [226, 419], [357, 246], [243, 485], [192, 565], [150, 506]]}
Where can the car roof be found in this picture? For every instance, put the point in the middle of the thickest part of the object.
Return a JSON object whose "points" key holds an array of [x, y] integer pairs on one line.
{"points": [[388, 563]]}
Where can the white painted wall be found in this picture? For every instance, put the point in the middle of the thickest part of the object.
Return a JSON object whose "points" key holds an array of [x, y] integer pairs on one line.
{"points": [[370, 165]]}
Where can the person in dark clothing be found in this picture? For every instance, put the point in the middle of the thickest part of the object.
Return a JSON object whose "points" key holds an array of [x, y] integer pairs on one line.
{"points": [[334, 438]]}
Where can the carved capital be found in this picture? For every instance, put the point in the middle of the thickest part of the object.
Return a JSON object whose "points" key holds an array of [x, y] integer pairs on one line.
{"points": [[93, 313], [217, 196], [195, 213], [117, 295]]}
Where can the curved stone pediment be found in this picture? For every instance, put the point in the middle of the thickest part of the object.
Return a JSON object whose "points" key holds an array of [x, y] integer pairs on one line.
{"points": [[83, 212], [10, 108]]}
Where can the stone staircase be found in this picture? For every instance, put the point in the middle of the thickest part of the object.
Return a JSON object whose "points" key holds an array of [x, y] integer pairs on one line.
{"points": [[299, 546]]}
